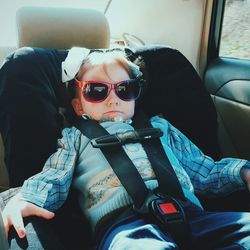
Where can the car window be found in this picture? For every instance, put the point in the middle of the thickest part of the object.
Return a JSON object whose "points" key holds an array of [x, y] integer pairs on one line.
{"points": [[235, 35]]}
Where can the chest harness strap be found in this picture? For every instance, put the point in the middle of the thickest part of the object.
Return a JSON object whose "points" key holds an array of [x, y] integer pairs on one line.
{"points": [[163, 206]]}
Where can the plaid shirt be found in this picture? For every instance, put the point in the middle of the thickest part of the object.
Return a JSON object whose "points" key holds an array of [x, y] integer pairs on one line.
{"points": [[196, 172]]}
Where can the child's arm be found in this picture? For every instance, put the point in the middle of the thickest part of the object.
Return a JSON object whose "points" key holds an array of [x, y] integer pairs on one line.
{"points": [[208, 177], [47, 189]]}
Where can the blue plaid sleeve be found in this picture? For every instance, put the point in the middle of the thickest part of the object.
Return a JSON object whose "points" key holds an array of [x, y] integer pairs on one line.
{"points": [[209, 177], [50, 187]]}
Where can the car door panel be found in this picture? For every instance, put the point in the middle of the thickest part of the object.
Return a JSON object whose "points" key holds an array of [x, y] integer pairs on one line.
{"points": [[228, 82]]}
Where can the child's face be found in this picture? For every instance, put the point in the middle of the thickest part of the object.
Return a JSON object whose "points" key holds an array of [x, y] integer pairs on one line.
{"points": [[112, 107]]}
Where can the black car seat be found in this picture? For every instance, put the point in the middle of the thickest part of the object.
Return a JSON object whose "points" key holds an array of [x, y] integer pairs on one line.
{"points": [[31, 95]]}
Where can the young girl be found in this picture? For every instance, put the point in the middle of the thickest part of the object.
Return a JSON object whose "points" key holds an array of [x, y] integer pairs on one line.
{"points": [[106, 88]]}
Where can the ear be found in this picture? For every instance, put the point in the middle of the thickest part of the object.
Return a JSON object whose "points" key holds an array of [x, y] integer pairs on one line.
{"points": [[77, 106]]}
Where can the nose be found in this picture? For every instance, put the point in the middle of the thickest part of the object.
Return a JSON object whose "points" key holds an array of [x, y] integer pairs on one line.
{"points": [[112, 98]]}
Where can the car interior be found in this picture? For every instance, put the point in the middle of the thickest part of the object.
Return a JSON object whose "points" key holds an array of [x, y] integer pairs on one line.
{"points": [[204, 96]]}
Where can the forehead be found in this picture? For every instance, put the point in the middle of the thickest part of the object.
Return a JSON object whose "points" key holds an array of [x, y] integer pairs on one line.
{"points": [[110, 71]]}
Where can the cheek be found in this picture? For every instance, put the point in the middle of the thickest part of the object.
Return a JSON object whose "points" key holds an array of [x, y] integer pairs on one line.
{"points": [[93, 109], [130, 107], [86, 107]]}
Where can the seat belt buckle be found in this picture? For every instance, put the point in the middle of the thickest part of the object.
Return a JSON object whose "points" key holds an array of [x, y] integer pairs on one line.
{"points": [[162, 209], [167, 211], [170, 215]]}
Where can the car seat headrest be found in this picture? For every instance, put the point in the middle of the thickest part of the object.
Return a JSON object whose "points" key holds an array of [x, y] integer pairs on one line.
{"points": [[61, 28]]}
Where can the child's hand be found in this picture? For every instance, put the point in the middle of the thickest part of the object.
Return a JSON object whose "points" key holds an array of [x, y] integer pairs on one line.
{"points": [[16, 209]]}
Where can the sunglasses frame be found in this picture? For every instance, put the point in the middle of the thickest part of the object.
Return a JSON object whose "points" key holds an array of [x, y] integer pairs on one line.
{"points": [[82, 84]]}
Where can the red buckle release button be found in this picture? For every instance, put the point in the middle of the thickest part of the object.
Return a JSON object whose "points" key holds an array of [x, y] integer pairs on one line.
{"points": [[168, 208]]}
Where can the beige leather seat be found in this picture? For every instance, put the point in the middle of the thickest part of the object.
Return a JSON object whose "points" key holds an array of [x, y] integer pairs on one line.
{"points": [[62, 28], [57, 28]]}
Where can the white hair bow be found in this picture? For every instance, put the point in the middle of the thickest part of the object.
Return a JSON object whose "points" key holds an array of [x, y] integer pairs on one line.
{"points": [[72, 63]]}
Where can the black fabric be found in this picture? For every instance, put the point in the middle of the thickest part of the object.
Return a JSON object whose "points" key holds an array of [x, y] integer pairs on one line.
{"points": [[41, 235], [30, 94], [176, 91]]}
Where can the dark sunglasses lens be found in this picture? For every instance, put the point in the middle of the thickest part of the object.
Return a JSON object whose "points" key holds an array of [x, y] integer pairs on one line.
{"points": [[128, 90], [95, 91]]}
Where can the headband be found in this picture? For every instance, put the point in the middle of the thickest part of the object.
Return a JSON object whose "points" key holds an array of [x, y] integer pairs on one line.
{"points": [[73, 62], [74, 59]]}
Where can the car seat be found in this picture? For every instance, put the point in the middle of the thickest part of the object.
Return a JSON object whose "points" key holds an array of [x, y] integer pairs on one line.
{"points": [[32, 95]]}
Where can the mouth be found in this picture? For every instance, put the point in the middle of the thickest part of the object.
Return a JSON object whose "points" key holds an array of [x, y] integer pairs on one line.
{"points": [[112, 112]]}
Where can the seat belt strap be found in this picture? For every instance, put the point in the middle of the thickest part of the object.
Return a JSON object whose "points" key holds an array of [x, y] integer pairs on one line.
{"points": [[120, 163], [165, 174], [167, 179], [144, 200]]}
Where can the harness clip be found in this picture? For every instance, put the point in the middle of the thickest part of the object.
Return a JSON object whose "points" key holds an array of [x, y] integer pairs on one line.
{"points": [[130, 136]]}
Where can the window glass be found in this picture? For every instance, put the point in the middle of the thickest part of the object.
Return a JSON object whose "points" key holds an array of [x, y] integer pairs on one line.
{"points": [[235, 38], [9, 7]]}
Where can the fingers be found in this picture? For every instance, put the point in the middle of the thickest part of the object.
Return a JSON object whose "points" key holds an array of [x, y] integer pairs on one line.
{"points": [[14, 218], [6, 223], [17, 221], [29, 210], [16, 209], [41, 212]]}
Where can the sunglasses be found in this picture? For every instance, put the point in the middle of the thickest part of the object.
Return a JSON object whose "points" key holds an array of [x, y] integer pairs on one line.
{"points": [[98, 91]]}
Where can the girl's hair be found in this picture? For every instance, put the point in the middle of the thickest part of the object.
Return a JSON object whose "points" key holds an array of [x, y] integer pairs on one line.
{"points": [[104, 57]]}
